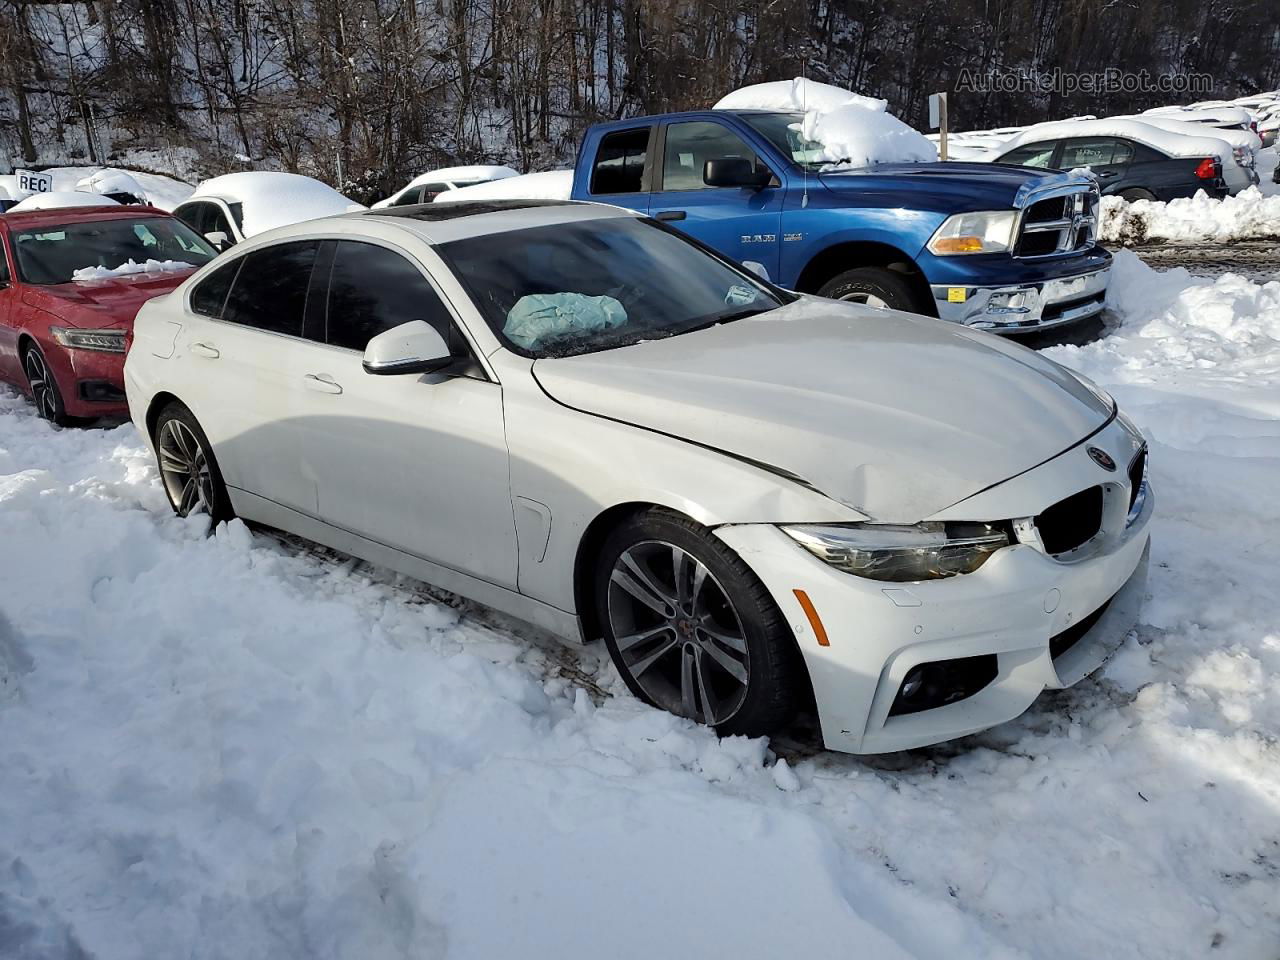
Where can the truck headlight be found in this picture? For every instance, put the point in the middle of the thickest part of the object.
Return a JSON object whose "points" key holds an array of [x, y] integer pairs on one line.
{"points": [[104, 341], [986, 231], [901, 553]]}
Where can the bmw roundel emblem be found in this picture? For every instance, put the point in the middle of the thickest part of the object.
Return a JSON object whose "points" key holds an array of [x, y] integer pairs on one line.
{"points": [[1102, 458]]}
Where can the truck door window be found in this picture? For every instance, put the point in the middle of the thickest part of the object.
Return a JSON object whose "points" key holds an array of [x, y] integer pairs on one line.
{"points": [[690, 145], [619, 166]]}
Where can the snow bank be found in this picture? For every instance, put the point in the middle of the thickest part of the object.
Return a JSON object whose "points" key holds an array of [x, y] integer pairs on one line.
{"points": [[57, 199], [852, 129], [1173, 144], [130, 267], [548, 185], [1249, 215], [274, 199]]}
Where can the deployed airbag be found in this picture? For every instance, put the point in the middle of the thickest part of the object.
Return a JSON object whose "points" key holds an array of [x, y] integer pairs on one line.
{"points": [[548, 316]]}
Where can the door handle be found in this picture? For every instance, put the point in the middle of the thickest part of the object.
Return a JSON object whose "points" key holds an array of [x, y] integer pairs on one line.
{"points": [[205, 350], [670, 215], [1106, 174], [321, 383]]}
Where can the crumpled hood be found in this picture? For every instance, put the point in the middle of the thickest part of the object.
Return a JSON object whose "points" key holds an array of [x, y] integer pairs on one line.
{"points": [[894, 415], [105, 302]]}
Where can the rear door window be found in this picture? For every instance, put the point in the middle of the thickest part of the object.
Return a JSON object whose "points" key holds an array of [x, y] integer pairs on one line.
{"points": [[1092, 152], [270, 291], [620, 162], [373, 289]]}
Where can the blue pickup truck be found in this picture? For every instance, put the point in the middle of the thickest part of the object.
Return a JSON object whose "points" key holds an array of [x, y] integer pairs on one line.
{"points": [[1007, 249]]}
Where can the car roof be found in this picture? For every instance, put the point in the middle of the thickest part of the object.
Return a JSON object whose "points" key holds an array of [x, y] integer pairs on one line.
{"points": [[442, 222], [58, 216]]}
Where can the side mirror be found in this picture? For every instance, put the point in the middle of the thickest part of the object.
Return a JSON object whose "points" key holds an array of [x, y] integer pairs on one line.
{"points": [[735, 172], [413, 347], [218, 238]]}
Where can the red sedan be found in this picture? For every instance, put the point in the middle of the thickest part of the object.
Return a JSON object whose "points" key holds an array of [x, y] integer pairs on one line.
{"points": [[71, 282]]}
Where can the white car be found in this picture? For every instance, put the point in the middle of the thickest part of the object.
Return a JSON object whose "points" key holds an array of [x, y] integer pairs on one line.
{"points": [[579, 417], [427, 186], [229, 209]]}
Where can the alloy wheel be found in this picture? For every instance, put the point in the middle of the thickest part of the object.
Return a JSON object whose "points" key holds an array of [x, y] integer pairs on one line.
{"points": [[870, 299], [184, 468], [43, 389], [677, 633]]}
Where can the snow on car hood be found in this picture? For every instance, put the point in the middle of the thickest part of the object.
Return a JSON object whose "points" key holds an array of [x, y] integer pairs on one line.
{"points": [[894, 415]]}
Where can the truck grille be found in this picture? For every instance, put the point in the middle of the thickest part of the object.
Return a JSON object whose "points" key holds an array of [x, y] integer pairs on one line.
{"points": [[1072, 522], [1059, 225]]}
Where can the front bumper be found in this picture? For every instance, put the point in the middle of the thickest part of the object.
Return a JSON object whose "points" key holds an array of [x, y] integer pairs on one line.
{"points": [[1026, 307], [1018, 604], [91, 382]]}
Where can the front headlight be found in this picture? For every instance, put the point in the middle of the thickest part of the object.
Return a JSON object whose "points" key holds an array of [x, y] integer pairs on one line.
{"points": [[105, 341], [900, 553], [986, 231]]}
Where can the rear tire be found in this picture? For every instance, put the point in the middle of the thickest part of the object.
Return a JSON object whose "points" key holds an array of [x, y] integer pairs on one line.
{"points": [[691, 628], [188, 469], [1136, 193], [874, 286]]}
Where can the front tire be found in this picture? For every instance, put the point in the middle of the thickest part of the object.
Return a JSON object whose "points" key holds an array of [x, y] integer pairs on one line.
{"points": [[875, 287], [188, 469], [691, 628], [44, 388]]}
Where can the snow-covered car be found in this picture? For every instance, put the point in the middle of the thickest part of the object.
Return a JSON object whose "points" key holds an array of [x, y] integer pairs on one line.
{"points": [[229, 209], [1132, 159], [428, 186], [115, 184], [576, 415], [71, 280]]}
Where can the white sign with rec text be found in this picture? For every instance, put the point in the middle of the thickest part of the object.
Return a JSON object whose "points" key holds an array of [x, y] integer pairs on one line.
{"points": [[34, 182]]}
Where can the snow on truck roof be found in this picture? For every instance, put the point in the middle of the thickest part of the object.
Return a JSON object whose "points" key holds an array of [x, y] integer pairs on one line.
{"points": [[271, 199], [846, 126], [1172, 144]]}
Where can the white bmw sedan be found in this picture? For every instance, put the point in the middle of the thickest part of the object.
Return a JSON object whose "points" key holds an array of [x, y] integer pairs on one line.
{"points": [[577, 416]]}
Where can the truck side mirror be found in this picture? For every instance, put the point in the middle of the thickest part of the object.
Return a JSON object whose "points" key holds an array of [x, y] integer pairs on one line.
{"points": [[735, 172], [218, 238]]}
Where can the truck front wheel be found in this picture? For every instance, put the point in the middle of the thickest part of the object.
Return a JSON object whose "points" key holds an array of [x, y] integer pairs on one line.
{"points": [[874, 286]]}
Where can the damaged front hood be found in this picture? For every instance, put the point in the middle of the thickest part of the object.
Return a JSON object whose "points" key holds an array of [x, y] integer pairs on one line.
{"points": [[894, 415]]}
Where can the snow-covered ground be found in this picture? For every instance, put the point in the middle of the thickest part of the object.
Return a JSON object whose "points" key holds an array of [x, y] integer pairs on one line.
{"points": [[230, 747]]}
